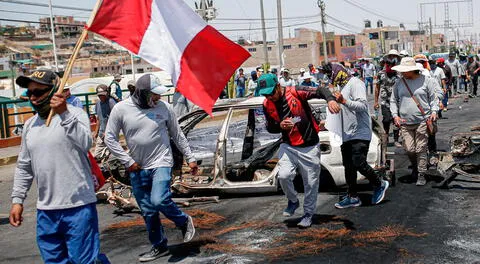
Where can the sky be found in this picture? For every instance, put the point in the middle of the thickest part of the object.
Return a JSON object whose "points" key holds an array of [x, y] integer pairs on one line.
{"points": [[346, 15]]}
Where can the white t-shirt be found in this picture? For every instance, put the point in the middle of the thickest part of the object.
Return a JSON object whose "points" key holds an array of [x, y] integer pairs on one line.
{"points": [[439, 75]]}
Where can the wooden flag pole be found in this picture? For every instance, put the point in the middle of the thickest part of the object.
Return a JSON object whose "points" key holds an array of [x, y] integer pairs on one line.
{"points": [[72, 59]]}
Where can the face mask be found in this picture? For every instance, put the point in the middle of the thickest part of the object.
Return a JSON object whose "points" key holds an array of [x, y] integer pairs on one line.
{"points": [[43, 107], [388, 69]]}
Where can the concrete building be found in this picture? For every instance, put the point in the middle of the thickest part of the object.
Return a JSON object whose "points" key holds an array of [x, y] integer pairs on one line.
{"points": [[65, 26], [378, 41], [305, 48]]}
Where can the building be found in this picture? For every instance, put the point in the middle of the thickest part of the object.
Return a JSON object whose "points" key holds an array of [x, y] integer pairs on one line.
{"points": [[378, 41], [305, 48], [65, 26]]}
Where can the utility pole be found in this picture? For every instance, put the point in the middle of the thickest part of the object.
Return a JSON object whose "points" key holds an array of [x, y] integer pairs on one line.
{"points": [[264, 33], [280, 33], [206, 10], [53, 35], [321, 4], [431, 34]]}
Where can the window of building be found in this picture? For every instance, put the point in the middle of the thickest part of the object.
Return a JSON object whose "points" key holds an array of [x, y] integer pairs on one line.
{"points": [[1, 67], [347, 41], [302, 46], [140, 70], [269, 48], [285, 47], [252, 49], [128, 71]]}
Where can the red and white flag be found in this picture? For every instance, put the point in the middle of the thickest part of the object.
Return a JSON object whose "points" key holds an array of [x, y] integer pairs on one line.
{"points": [[171, 36]]}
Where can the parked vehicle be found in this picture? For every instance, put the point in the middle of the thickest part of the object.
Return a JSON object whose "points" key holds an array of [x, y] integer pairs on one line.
{"points": [[236, 154]]}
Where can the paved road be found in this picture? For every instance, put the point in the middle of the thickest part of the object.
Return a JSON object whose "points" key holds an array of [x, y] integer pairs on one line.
{"points": [[414, 224]]}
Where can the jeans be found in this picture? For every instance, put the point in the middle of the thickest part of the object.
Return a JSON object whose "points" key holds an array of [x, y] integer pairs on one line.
{"points": [[445, 99], [68, 235], [305, 160], [151, 188], [240, 92], [354, 155], [369, 81], [474, 79]]}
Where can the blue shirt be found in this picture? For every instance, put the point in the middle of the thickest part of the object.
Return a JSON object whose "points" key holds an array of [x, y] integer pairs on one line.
{"points": [[75, 101]]}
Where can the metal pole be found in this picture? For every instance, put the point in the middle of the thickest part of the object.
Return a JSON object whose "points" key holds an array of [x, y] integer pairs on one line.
{"points": [[280, 33], [133, 66], [53, 35], [321, 4], [431, 34], [264, 33], [13, 76]]}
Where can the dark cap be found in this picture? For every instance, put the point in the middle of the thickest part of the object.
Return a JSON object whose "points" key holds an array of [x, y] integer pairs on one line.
{"points": [[42, 77]]}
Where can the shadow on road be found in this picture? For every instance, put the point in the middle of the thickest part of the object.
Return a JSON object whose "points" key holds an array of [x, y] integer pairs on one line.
{"points": [[4, 221]]}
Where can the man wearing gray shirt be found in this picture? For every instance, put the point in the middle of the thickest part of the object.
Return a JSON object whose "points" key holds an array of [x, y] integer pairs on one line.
{"points": [[409, 118], [357, 134], [67, 221], [148, 125], [457, 71]]}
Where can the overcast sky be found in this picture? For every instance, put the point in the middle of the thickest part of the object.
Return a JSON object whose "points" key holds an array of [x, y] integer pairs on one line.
{"points": [[345, 14]]}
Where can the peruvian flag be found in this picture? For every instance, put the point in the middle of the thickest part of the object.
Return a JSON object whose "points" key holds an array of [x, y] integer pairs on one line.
{"points": [[171, 36]]}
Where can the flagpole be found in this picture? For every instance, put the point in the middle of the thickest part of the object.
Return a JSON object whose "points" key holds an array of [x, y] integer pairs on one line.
{"points": [[72, 59]]}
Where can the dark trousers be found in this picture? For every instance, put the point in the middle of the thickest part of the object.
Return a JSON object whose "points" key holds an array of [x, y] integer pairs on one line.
{"points": [[432, 143], [354, 155], [475, 84]]}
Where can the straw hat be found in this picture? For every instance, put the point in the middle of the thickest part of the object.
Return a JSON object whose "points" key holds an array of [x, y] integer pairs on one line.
{"points": [[407, 64]]}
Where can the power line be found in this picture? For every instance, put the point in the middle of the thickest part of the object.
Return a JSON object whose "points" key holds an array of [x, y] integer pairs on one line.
{"points": [[259, 19], [343, 23], [39, 14], [369, 10], [45, 5]]}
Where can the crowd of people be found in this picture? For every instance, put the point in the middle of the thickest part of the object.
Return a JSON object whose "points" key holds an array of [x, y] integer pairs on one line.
{"points": [[411, 93]]}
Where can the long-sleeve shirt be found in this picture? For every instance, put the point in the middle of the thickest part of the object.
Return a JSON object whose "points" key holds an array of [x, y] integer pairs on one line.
{"points": [[75, 101], [57, 157], [148, 133], [357, 123], [402, 105]]}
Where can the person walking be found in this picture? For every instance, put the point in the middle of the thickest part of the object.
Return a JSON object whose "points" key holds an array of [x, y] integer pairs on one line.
{"points": [[307, 80], [288, 112], [448, 81], [103, 108], [252, 83], [356, 137], [115, 90], [57, 157], [368, 73], [240, 81], [386, 79], [456, 69], [413, 103], [149, 124], [473, 70]]}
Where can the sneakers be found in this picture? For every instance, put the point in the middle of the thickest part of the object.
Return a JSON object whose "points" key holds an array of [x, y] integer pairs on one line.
{"points": [[291, 207], [306, 221], [153, 254], [348, 202], [421, 180], [188, 230], [379, 192]]}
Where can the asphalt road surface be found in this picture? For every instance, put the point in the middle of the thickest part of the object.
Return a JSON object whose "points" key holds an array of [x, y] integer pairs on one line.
{"points": [[413, 225]]}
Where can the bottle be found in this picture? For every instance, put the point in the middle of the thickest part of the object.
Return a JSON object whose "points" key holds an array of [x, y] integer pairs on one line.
{"points": [[376, 113]]}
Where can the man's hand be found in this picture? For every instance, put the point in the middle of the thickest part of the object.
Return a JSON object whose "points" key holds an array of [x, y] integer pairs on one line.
{"points": [[339, 98], [333, 107], [58, 103], [16, 215], [433, 116], [287, 124], [134, 167], [376, 105], [398, 121], [193, 167]]}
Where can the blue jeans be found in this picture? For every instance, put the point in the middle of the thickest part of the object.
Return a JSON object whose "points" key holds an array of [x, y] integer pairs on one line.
{"points": [[68, 235], [369, 81], [151, 188], [445, 99], [240, 91]]}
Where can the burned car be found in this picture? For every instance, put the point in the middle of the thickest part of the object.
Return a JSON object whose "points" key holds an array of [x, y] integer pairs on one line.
{"points": [[236, 153]]}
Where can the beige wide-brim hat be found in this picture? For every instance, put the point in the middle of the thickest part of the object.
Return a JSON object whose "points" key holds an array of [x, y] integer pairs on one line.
{"points": [[407, 64]]}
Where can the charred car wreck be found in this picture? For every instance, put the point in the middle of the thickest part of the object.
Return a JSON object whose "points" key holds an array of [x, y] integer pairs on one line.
{"points": [[236, 153]]}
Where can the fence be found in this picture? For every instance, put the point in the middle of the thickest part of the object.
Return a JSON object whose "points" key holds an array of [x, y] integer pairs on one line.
{"points": [[10, 109]]}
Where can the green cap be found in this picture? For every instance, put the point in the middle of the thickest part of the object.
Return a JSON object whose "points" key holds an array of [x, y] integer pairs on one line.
{"points": [[267, 83]]}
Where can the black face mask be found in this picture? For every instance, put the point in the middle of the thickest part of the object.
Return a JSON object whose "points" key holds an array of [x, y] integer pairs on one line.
{"points": [[43, 107]]}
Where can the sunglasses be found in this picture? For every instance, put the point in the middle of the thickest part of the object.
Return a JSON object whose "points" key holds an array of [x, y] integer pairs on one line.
{"points": [[38, 92]]}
